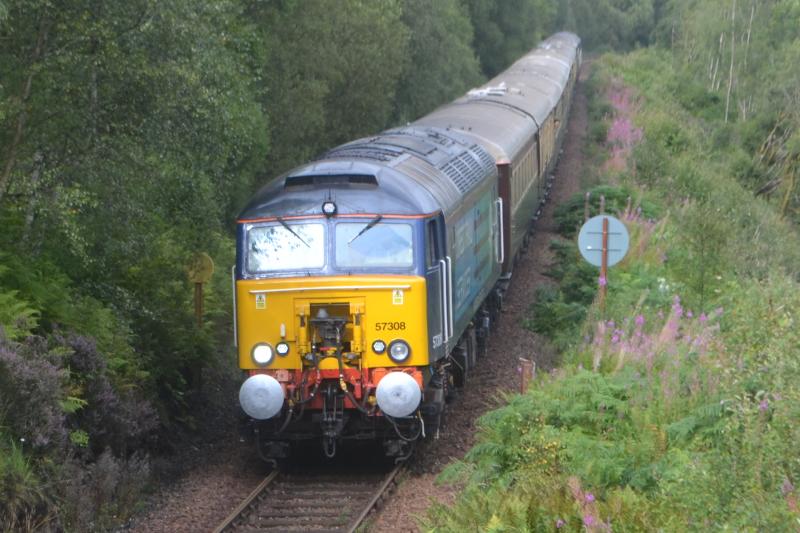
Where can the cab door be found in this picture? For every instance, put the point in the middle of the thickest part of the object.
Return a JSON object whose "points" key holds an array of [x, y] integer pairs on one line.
{"points": [[436, 282]]}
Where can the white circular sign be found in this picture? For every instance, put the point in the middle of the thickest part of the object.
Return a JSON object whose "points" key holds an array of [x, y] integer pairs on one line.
{"points": [[590, 240]]}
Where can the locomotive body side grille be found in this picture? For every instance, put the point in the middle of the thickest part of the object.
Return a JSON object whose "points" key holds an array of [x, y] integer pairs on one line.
{"points": [[469, 168]]}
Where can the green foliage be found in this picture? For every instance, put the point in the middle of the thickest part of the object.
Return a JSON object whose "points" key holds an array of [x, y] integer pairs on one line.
{"points": [[17, 319], [506, 30], [570, 215], [330, 74], [442, 63], [674, 412], [558, 312], [609, 24], [23, 502], [551, 315]]}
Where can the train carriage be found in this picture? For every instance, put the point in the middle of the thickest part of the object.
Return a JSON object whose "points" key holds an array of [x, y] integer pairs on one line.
{"points": [[366, 281]]}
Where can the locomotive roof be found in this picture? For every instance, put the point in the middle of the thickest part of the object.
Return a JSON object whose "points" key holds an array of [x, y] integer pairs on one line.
{"points": [[505, 112], [433, 163], [402, 171]]}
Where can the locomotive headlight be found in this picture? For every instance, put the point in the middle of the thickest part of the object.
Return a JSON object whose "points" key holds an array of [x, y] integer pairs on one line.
{"points": [[262, 354], [282, 348], [329, 209], [379, 346], [399, 351]]}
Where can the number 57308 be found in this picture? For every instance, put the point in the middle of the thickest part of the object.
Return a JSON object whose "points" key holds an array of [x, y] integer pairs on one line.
{"points": [[390, 326]]}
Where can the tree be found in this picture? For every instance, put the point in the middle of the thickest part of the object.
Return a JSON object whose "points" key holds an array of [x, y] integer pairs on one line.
{"points": [[443, 64], [129, 132], [331, 73], [506, 30]]}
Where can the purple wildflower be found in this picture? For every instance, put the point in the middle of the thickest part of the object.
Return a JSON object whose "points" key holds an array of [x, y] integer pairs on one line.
{"points": [[589, 497], [640, 320], [615, 339], [560, 523], [588, 520], [764, 405], [787, 487], [703, 318], [602, 281], [689, 314], [610, 323]]}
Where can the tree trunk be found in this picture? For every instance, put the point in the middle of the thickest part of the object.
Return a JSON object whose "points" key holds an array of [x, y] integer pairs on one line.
{"points": [[714, 85], [749, 32], [30, 210], [22, 116], [733, 55], [791, 181]]}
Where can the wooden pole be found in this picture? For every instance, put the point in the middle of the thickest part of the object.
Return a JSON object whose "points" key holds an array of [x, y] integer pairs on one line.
{"points": [[604, 266], [198, 304], [526, 369], [586, 206]]}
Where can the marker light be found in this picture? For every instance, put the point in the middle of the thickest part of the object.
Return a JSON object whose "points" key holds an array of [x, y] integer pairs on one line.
{"points": [[398, 394], [378, 346], [329, 208], [399, 351], [262, 354], [282, 348], [261, 397]]}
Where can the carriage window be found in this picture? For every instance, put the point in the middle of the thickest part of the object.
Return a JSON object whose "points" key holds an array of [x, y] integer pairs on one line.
{"points": [[374, 244], [285, 247]]}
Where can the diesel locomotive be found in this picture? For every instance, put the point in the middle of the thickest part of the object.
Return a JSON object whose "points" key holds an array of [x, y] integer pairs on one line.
{"points": [[367, 281]]}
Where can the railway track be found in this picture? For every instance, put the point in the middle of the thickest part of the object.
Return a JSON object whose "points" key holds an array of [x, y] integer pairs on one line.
{"points": [[330, 501]]}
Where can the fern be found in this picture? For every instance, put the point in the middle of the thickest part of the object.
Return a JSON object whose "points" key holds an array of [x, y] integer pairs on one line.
{"points": [[17, 318]]}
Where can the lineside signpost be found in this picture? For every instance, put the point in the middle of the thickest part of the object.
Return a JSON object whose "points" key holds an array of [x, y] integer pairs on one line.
{"points": [[200, 270], [603, 241]]}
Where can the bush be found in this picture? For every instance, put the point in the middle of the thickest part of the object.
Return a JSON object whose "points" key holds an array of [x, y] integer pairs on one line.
{"points": [[674, 413], [24, 505], [96, 495], [32, 389], [112, 418]]}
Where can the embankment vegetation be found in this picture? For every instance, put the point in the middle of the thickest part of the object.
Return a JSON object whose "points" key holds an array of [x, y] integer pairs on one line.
{"points": [[674, 408]]}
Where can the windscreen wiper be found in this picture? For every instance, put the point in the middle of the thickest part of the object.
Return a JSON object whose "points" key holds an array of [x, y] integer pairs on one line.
{"points": [[290, 230], [366, 228]]}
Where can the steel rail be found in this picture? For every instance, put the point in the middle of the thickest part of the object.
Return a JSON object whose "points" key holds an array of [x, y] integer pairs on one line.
{"points": [[246, 502], [381, 490], [230, 522]]}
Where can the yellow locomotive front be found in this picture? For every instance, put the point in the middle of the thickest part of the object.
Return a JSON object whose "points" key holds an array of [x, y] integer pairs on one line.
{"points": [[331, 328]]}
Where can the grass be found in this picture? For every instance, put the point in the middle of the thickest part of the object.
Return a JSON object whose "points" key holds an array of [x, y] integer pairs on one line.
{"points": [[674, 408]]}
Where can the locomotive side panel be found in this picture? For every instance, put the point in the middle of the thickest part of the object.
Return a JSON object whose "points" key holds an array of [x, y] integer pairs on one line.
{"points": [[474, 237]]}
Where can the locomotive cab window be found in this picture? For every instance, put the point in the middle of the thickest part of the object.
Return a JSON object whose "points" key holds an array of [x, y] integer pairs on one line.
{"points": [[374, 244], [433, 250], [285, 247]]}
